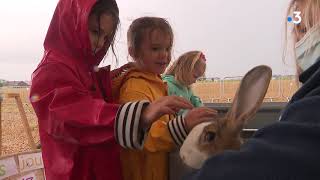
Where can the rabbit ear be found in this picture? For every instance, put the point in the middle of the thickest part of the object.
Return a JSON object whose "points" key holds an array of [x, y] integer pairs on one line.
{"points": [[250, 95]]}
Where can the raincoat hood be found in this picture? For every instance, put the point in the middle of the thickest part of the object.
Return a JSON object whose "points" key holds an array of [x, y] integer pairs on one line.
{"points": [[68, 32]]}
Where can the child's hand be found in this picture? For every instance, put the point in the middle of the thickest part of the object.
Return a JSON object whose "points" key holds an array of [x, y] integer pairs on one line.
{"points": [[164, 105], [116, 72], [199, 115]]}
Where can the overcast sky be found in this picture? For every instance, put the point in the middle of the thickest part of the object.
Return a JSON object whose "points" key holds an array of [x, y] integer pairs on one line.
{"points": [[235, 35]]}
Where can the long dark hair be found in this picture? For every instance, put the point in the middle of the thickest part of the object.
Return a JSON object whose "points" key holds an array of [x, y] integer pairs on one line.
{"points": [[109, 7]]}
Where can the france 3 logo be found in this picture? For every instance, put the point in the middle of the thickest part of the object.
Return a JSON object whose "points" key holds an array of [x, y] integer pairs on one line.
{"points": [[296, 19]]}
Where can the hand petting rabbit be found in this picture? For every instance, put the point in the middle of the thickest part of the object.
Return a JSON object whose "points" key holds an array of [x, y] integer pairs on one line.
{"points": [[223, 133]]}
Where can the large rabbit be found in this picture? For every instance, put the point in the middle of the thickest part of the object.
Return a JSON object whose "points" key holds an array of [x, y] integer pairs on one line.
{"points": [[223, 133]]}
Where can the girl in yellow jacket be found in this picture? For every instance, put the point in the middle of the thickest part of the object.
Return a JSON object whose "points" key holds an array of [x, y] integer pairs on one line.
{"points": [[150, 42]]}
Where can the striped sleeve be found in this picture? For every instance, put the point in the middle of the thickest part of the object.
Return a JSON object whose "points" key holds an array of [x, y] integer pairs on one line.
{"points": [[127, 132], [177, 130]]}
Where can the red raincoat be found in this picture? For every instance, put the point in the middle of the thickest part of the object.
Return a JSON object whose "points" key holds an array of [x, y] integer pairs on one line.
{"points": [[73, 103]]}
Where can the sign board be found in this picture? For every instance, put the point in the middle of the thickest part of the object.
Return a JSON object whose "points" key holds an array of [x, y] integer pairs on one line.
{"points": [[22, 166]]}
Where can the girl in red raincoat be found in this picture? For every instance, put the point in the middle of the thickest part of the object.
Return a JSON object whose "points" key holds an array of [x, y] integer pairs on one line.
{"points": [[79, 122]]}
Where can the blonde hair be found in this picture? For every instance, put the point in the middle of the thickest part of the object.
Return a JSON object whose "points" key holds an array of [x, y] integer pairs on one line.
{"points": [[183, 67], [310, 17], [142, 28]]}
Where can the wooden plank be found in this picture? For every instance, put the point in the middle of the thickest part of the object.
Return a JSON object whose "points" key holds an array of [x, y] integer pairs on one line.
{"points": [[24, 120]]}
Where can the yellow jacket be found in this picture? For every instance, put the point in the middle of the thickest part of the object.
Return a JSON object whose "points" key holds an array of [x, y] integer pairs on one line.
{"points": [[152, 162]]}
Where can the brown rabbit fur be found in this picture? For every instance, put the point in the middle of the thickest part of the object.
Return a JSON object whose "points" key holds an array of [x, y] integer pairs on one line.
{"points": [[223, 132]]}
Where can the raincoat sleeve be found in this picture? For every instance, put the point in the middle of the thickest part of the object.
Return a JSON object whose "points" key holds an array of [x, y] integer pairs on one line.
{"points": [[164, 134], [68, 112]]}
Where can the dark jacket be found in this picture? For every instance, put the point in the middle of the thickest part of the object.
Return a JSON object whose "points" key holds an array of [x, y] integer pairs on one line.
{"points": [[288, 149]]}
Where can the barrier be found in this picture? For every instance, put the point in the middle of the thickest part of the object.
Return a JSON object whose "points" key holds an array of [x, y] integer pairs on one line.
{"points": [[229, 86], [216, 90], [274, 89], [209, 89], [289, 86]]}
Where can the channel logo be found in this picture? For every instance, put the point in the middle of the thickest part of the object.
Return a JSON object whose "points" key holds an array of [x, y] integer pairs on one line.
{"points": [[296, 19]]}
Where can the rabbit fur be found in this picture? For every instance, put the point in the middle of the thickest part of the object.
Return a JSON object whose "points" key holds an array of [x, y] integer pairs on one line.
{"points": [[223, 132]]}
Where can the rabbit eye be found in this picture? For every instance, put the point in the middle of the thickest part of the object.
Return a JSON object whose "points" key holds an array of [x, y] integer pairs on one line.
{"points": [[209, 136]]}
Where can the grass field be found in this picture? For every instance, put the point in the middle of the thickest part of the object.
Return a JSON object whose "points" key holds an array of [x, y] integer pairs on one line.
{"points": [[14, 138]]}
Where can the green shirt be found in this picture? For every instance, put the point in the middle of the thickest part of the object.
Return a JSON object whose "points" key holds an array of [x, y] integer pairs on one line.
{"points": [[174, 88]]}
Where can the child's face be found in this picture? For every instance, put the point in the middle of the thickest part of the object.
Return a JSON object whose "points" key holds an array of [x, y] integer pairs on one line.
{"points": [[197, 72], [154, 53], [100, 35]]}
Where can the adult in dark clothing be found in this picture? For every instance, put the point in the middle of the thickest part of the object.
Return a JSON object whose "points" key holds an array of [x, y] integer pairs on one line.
{"points": [[288, 149]]}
